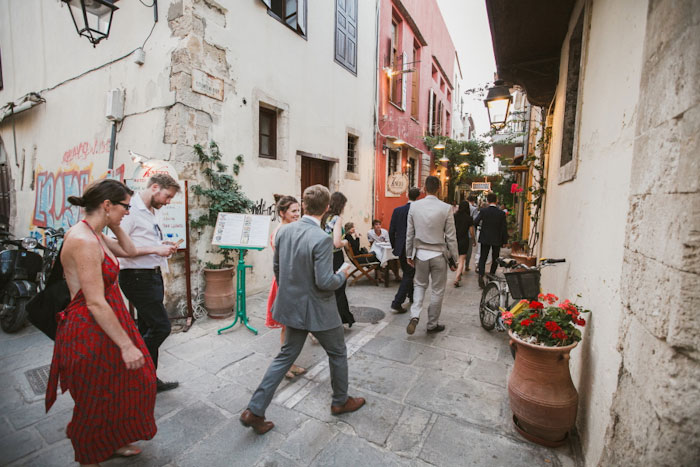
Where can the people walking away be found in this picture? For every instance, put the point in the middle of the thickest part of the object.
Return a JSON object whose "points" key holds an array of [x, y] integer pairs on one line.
{"points": [[99, 354], [288, 211], [303, 269], [430, 247], [354, 242], [333, 226], [397, 236], [141, 277], [464, 228], [494, 234], [377, 234], [474, 210]]}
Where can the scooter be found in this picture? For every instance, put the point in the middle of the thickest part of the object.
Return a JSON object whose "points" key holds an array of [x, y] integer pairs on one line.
{"points": [[19, 266]]}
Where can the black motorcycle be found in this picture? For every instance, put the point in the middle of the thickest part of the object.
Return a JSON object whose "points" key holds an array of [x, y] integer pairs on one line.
{"points": [[22, 270]]}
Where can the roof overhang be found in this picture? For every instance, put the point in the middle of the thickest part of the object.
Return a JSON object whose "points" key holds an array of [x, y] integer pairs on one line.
{"points": [[527, 37]]}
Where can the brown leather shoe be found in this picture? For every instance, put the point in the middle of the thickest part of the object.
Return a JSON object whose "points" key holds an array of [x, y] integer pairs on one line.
{"points": [[352, 404], [259, 424], [411, 328]]}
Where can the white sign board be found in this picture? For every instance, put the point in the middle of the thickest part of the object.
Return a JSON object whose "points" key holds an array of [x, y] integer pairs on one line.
{"points": [[204, 83], [172, 217], [241, 230], [481, 186]]}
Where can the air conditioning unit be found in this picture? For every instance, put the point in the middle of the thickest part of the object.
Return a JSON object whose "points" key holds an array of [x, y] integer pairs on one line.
{"points": [[115, 105]]}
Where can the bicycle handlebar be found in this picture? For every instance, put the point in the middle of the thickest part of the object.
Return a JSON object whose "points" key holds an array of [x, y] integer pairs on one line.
{"points": [[552, 260]]}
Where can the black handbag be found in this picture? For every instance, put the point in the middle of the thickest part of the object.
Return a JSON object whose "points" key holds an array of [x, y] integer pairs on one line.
{"points": [[43, 307]]}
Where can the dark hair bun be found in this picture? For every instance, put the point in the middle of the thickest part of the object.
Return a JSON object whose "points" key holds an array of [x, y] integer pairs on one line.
{"points": [[278, 197], [76, 201]]}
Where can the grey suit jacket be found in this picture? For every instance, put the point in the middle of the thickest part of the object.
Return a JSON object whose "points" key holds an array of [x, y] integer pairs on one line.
{"points": [[431, 226], [303, 265]]}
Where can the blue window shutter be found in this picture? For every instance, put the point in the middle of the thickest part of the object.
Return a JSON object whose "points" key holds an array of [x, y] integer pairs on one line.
{"points": [[346, 33]]}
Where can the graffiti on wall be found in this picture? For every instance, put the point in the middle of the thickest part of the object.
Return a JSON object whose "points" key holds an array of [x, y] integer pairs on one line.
{"points": [[52, 189], [82, 151], [262, 208]]}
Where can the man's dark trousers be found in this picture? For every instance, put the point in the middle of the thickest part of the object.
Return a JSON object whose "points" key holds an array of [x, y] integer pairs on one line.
{"points": [[406, 286], [144, 289], [495, 251]]}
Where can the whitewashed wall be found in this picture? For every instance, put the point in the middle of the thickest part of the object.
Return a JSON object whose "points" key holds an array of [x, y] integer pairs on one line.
{"points": [[585, 219]]}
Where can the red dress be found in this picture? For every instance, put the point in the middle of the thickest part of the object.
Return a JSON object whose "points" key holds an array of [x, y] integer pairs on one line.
{"points": [[269, 321], [113, 405]]}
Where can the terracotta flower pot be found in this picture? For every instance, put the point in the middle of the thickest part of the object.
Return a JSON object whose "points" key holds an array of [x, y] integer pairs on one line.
{"points": [[219, 293], [543, 398]]}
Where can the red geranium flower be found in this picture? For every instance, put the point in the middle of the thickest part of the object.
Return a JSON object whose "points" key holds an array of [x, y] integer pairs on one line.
{"points": [[534, 316], [552, 326], [536, 305], [526, 322], [549, 298], [579, 321], [561, 335]]}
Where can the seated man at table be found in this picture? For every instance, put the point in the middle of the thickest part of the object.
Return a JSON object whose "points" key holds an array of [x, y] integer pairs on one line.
{"points": [[377, 234], [354, 242]]}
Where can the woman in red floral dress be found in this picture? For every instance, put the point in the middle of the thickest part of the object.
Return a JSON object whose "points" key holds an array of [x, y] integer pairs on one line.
{"points": [[99, 354], [288, 210]]}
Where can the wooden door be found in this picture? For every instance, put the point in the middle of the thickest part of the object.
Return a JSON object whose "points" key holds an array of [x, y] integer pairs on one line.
{"points": [[314, 172]]}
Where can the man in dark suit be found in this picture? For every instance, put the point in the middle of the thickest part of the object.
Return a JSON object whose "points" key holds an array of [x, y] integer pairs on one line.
{"points": [[397, 237], [303, 267], [494, 233]]}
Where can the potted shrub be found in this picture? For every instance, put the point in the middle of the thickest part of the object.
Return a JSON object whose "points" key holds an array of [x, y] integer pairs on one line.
{"points": [[542, 396], [223, 194]]}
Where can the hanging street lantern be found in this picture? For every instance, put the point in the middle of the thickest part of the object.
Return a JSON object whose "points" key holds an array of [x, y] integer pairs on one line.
{"points": [[497, 103], [92, 18], [464, 153]]}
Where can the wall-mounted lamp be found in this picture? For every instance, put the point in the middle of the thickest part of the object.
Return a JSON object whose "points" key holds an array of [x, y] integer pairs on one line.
{"points": [[93, 18], [497, 103], [399, 142]]}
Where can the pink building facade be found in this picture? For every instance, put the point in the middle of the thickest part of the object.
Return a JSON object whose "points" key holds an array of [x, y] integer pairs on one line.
{"points": [[416, 66]]}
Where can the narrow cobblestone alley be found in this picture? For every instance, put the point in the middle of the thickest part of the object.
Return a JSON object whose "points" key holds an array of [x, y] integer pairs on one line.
{"points": [[431, 399]]}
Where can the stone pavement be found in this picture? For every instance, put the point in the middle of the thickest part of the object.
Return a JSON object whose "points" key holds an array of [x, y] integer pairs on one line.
{"points": [[431, 399]]}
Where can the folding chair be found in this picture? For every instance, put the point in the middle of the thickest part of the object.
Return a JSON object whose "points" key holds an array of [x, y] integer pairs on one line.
{"points": [[361, 268]]}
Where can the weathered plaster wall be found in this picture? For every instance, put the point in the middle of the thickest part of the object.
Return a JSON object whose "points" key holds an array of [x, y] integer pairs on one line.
{"points": [[584, 218], [64, 143], [320, 101], [656, 408]]}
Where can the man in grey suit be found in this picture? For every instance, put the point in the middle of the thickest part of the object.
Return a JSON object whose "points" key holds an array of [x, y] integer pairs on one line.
{"points": [[431, 244], [303, 266]]}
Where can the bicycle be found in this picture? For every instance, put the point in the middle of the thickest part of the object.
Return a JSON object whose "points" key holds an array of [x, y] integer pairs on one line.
{"points": [[523, 282]]}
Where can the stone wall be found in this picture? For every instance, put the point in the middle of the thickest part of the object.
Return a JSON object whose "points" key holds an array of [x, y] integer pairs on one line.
{"points": [[656, 406]]}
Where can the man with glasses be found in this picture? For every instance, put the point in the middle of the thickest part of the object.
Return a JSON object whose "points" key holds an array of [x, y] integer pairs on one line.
{"points": [[140, 276]]}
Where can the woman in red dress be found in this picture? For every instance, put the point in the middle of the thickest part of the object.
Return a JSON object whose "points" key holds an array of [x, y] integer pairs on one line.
{"points": [[288, 211], [99, 354]]}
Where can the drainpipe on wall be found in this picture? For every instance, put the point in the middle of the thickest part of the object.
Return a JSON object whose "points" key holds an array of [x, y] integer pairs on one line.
{"points": [[112, 144], [376, 109]]}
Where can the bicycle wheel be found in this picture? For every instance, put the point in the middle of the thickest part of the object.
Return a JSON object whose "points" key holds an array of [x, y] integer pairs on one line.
{"points": [[488, 308]]}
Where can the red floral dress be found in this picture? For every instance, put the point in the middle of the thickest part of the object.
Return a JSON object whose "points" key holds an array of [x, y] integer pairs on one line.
{"points": [[113, 405], [269, 321]]}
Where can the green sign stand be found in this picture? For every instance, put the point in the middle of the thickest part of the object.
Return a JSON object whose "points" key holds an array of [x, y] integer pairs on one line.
{"points": [[240, 288]]}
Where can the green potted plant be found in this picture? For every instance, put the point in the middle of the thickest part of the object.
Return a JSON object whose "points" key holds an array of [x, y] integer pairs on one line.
{"points": [[222, 194], [542, 395]]}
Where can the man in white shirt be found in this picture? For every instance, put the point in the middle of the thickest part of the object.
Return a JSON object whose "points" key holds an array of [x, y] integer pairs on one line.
{"points": [[140, 277], [431, 244], [377, 234]]}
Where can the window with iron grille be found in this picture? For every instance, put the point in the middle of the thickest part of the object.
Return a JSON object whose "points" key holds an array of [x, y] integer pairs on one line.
{"points": [[352, 153], [290, 12], [411, 172], [267, 133], [392, 162]]}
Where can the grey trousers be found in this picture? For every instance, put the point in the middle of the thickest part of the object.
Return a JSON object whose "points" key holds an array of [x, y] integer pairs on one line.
{"points": [[332, 341], [435, 271]]}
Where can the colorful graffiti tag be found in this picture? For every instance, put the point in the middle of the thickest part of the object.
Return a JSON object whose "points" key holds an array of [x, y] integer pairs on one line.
{"points": [[51, 206]]}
